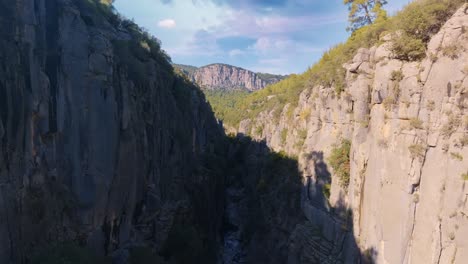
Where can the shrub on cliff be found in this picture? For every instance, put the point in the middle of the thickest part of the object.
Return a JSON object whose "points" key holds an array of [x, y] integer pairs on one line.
{"points": [[339, 160], [412, 28], [417, 23]]}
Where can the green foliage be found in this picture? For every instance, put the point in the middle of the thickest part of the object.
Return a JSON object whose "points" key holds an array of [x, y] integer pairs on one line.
{"points": [[416, 123], [465, 176], [284, 135], [270, 77], [397, 76], [364, 12], [450, 127], [417, 151], [301, 137], [186, 69], [451, 51], [456, 155], [463, 141], [69, 253], [305, 114], [408, 48], [339, 160], [388, 102], [417, 23], [272, 97], [326, 190], [259, 130], [224, 103]]}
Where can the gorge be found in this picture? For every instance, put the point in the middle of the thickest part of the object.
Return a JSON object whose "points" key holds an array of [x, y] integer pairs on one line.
{"points": [[109, 155]]}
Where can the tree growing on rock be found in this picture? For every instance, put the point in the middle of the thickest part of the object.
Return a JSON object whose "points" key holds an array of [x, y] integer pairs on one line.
{"points": [[364, 12]]}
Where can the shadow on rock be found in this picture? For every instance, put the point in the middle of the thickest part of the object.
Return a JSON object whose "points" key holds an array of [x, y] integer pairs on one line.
{"points": [[274, 215]]}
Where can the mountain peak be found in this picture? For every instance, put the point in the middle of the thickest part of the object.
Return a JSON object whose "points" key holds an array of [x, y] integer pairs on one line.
{"points": [[220, 76]]}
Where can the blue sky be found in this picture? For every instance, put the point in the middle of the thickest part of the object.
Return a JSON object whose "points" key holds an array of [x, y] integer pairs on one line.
{"points": [[274, 36]]}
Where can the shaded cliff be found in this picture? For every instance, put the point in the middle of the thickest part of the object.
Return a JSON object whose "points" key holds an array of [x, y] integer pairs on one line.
{"points": [[106, 155], [227, 77], [100, 142], [407, 125]]}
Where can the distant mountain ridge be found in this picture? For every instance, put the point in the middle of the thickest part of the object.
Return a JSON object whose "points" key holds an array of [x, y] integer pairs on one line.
{"points": [[224, 77]]}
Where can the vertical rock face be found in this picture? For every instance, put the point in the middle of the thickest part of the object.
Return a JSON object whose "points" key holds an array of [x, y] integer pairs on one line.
{"points": [[227, 77], [99, 141], [408, 124]]}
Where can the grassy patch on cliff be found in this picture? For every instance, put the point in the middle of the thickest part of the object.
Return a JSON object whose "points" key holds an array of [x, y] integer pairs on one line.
{"points": [[339, 160], [415, 24]]}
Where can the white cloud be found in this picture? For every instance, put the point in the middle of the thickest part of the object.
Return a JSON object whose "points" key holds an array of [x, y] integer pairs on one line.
{"points": [[167, 23]]}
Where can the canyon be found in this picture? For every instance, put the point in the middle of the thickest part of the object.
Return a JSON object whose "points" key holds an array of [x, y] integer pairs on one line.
{"points": [[109, 155]]}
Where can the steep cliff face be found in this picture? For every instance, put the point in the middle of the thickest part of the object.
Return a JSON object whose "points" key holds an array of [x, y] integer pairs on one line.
{"points": [[100, 143], [227, 77], [408, 127]]}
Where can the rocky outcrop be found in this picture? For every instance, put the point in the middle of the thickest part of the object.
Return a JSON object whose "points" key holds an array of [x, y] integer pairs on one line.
{"points": [[100, 142], [408, 124], [226, 77]]}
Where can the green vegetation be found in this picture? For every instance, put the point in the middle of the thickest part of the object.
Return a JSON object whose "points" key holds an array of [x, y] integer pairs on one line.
{"points": [[339, 160], [259, 130], [272, 97], [456, 155], [410, 29], [224, 103], [450, 127], [450, 51], [465, 176], [301, 137], [284, 135], [305, 114], [69, 253], [408, 48], [389, 102], [417, 23], [270, 77], [463, 141], [364, 12], [326, 190], [416, 123], [417, 151], [397, 76], [186, 69]]}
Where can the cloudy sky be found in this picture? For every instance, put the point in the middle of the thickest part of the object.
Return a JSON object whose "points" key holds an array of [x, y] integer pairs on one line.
{"points": [[274, 36]]}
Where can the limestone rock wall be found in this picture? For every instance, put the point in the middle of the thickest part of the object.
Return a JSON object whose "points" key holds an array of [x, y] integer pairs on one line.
{"points": [[408, 124], [89, 151], [227, 77]]}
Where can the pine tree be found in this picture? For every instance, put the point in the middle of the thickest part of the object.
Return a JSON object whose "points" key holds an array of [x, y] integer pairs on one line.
{"points": [[364, 12]]}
